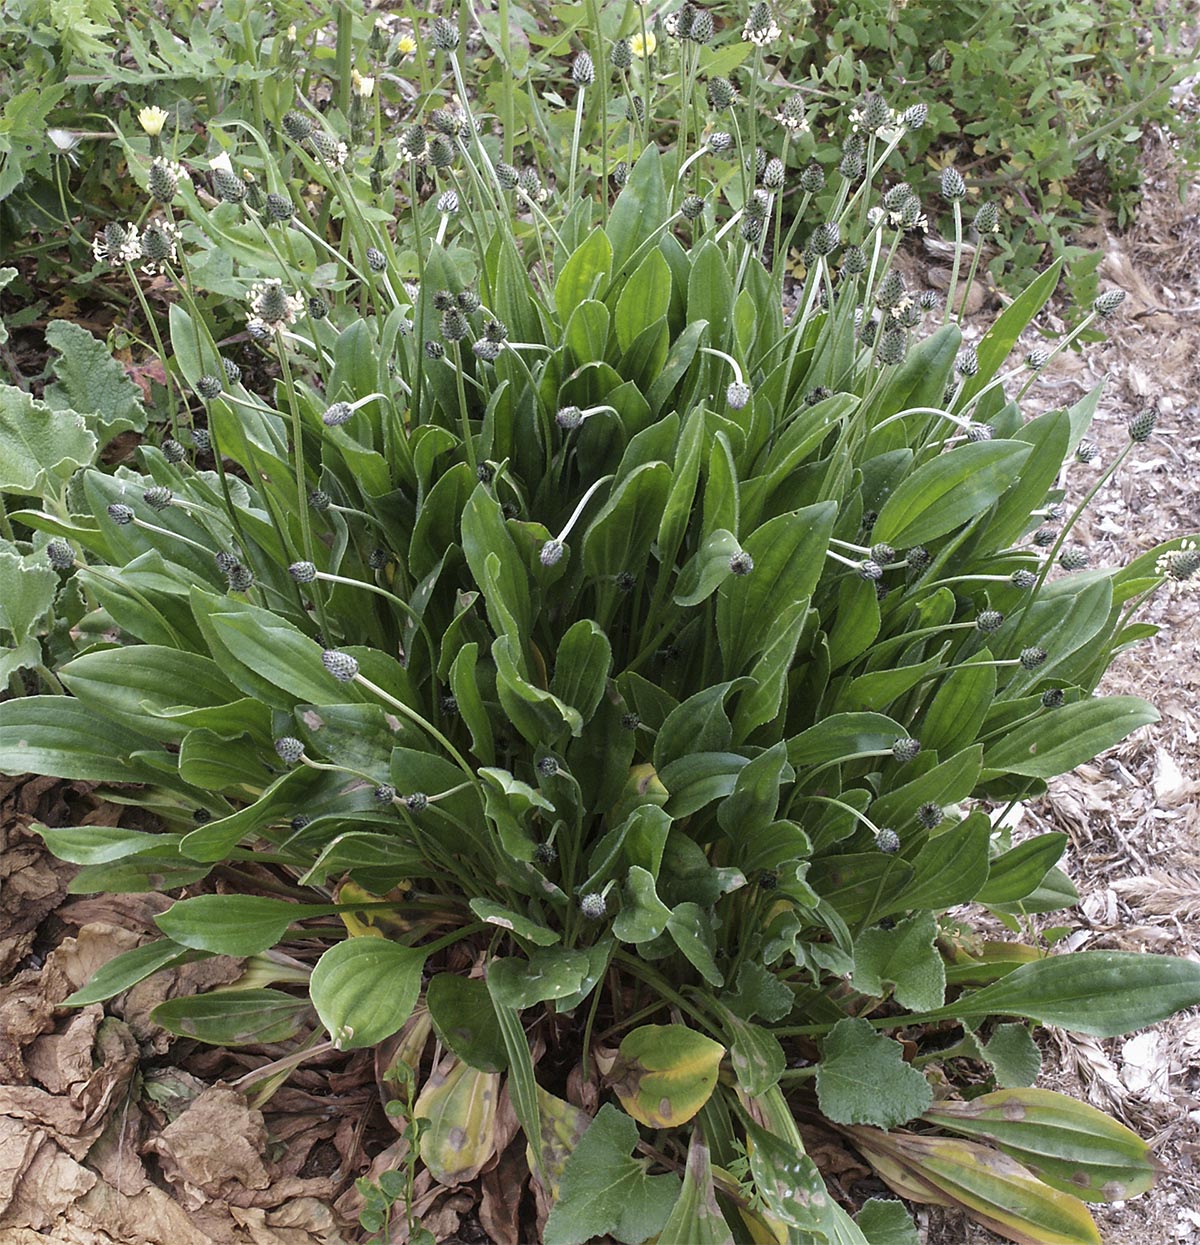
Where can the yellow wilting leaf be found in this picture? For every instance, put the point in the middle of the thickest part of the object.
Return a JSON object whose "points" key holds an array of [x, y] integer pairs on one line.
{"points": [[562, 1126], [460, 1104], [763, 1227], [371, 924], [1066, 1144], [664, 1074], [992, 1188], [641, 787], [410, 1042], [989, 962]]}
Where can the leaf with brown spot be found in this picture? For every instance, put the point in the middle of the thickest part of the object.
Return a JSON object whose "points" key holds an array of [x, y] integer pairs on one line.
{"points": [[992, 1188], [460, 1104], [562, 1126], [1066, 1144], [664, 1074], [697, 1218]]}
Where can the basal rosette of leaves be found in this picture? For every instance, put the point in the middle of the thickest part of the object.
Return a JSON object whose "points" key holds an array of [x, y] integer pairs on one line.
{"points": [[610, 674]]}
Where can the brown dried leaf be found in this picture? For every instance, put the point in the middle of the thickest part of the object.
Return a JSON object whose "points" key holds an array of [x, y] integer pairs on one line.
{"points": [[49, 1181], [214, 1149], [502, 1189]]}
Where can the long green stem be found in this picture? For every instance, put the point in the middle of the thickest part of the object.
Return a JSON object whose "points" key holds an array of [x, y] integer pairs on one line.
{"points": [[601, 63], [958, 240], [344, 53], [575, 148], [152, 324], [507, 102], [432, 731], [463, 414], [298, 466]]}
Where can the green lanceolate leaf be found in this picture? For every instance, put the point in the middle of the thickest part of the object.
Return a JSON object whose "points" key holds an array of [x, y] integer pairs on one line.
{"points": [[57, 736], [643, 915], [385, 859], [234, 1017], [233, 924], [128, 968], [841, 736], [506, 918], [957, 710], [581, 668], [618, 539], [1061, 740], [921, 379], [539, 715], [707, 569], [700, 724], [863, 1078], [584, 274], [950, 868], [691, 930], [547, 974], [999, 340], [1019, 872], [788, 1181], [364, 989], [97, 845], [788, 553], [523, 1088], [949, 491], [604, 1190], [696, 1217], [861, 886], [639, 209], [664, 1074], [755, 1054], [1066, 1144], [133, 685], [644, 300], [1102, 993]]}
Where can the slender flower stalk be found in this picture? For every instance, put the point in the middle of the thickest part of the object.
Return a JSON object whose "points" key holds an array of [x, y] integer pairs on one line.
{"points": [[554, 548]]}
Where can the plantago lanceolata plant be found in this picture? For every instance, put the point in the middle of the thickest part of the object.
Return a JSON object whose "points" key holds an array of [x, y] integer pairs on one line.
{"points": [[626, 662]]}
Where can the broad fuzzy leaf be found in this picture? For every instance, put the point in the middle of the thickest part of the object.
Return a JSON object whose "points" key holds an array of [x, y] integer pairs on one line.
{"points": [[39, 447], [89, 380], [604, 1190], [863, 1078], [903, 959]]}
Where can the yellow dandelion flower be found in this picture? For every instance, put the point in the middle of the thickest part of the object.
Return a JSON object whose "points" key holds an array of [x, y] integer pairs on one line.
{"points": [[643, 47], [406, 45]]}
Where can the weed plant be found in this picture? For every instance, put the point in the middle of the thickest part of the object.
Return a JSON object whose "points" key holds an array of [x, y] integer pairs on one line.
{"points": [[574, 662]]}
